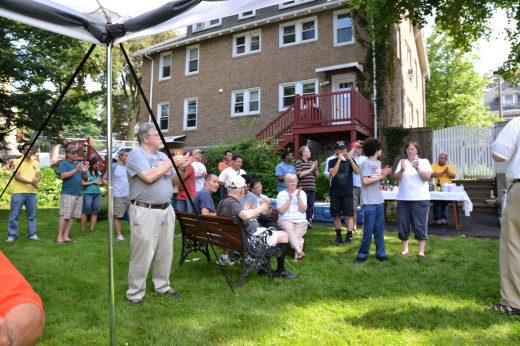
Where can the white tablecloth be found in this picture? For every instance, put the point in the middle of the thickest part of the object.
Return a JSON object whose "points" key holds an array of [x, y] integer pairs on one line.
{"points": [[440, 196]]}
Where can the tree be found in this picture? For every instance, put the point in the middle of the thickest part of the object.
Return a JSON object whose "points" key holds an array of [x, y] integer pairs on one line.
{"points": [[454, 90], [35, 66], [464, 21]]}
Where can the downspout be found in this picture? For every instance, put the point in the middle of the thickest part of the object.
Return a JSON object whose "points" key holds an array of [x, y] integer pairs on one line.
{"points": [[374, 97], [150, 98]]}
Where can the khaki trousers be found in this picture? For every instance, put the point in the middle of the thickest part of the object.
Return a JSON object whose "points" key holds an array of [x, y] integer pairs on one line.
{"points": [[151, 245], [510, 250], [295, 231]]}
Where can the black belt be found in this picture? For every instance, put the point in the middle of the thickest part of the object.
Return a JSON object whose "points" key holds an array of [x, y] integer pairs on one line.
{"points": [[151, 206]]}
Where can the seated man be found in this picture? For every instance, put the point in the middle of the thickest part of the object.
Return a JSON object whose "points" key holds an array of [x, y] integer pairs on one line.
{"points": [[230, 206], [22, 318]]}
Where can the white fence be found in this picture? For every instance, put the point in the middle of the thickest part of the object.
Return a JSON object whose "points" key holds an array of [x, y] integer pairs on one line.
{"points": [[468, 149]]}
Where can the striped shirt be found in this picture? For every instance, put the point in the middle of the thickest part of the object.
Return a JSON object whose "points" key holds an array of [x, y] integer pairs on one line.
{"points": [[307, 182]]}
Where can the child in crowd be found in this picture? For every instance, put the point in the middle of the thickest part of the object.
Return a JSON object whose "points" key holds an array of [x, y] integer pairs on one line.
{"points": [[373, 202]]}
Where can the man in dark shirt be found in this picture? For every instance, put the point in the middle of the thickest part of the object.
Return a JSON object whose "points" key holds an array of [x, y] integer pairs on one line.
{"points": [[230, 206], [341, 170]]}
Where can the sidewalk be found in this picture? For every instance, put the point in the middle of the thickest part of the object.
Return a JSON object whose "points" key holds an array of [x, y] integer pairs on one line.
{"points": [[480, 225]]}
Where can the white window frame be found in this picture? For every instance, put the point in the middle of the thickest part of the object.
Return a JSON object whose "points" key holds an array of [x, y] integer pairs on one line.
{"points": [[185, 114], [292, 3], [160, 115], [246, 103], [298, 86], [247, 14], [409, 114], [161, 66], [248, 36], [298, 25], [336, 28], [187, 67], [206, 25]]}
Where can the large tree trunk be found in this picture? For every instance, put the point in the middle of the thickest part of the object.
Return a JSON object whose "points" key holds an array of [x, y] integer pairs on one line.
{"points": [[55, 151]]}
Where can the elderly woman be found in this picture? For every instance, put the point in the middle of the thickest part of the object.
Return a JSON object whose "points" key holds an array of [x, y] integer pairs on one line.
{"points": [[292, 205], [413, 197]]}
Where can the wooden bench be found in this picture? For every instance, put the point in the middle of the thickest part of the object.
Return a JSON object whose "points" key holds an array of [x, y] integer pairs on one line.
{"points": [[226, 233]]}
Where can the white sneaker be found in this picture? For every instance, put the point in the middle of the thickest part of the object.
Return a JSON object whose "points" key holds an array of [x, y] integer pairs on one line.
{"points": [[120, 238], [34, 237], [10, 239], [444, 222], [439, 222], [225, 262]]}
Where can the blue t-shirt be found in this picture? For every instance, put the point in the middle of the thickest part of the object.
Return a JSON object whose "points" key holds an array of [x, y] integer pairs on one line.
{"points": [[71, 185], [283, 169], [93, 189], [203, 200]]}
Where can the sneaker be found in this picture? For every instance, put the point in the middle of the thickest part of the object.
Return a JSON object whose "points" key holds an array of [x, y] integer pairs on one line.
{"points": [[34, 237], [285, 275], [439, 222], [444, 222], [338, 241], [348, 238], [360, 260], [10, 239], [225, 262], [120, 238], [309, 224], [383, 258]]}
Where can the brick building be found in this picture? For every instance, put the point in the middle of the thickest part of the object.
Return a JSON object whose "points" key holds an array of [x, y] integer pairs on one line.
{"points": [[261, 72]]}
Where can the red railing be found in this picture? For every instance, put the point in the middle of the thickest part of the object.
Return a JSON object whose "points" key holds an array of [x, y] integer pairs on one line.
{"points": [[328, 109]]}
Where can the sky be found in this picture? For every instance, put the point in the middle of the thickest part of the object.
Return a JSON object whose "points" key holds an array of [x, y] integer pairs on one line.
{"points": [[493, 52]]}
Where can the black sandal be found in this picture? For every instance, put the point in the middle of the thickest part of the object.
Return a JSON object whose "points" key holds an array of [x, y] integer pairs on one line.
{"points": [[505, 309]]}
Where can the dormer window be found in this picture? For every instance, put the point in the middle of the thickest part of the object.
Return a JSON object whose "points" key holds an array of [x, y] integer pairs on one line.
{"points": [[206, 25]]}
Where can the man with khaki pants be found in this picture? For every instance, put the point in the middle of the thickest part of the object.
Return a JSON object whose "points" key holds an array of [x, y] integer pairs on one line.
{"points": [[507, 148]]}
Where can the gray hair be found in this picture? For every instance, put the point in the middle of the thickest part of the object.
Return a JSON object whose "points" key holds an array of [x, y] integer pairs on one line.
{"points": [[290, 177], [144, 130], [302, 149]]}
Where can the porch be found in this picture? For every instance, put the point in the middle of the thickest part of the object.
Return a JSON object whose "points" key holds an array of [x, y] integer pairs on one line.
{"points": [[323, 118]]}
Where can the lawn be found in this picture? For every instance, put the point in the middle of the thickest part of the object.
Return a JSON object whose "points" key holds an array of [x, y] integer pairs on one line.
{"points": [[440, 301]]}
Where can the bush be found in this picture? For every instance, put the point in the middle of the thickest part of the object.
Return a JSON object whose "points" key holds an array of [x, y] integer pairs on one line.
{"points": [[48, 193], [260, 161]]}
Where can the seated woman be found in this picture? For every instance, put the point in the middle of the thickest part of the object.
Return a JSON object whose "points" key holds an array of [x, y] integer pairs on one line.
{"points": [[266, 219], [292, 205]]}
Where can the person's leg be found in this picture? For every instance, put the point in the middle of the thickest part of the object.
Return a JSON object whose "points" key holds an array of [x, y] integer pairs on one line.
{"points": [[419, 216], [379, 230], [68, 227], [403, 222], [17, 202], [87, 210], [311, 198], [30, 208], [444, 211], [83, 223], [62, 224], [142, 249], [437, 211], [288, 226], [368, 229], [117, 226], [509, 257], [300, 229], [95, 208], [162, 259]]}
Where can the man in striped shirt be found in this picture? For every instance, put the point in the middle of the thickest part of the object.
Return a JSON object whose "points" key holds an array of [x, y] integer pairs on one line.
{"points": [[307, 172]]}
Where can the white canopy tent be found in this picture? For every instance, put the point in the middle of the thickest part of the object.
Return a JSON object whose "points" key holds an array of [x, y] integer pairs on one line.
{"points": [[109, 22]]}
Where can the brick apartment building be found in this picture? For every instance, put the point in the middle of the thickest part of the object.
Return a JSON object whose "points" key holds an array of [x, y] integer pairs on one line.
{"points": [[243, 75]]}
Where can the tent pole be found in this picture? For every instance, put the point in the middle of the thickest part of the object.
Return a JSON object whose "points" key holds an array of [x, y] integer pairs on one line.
{"points": [[109, 198]]}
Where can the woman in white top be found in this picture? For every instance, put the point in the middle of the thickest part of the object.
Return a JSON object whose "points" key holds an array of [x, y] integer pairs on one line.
{"points": [[413, 197], [292, 205]]}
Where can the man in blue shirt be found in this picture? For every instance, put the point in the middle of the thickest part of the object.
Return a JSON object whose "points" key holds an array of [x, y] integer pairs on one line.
{"points": [[72, 173], [284, 168]]}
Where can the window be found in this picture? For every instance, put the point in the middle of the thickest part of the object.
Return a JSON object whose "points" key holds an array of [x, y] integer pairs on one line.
{"points": [[206, 25], [192, 60], [165, 66], [246, 43], [286, 4], [342, 28], [245, 102], [409, 114], [164, 115], [190, 114], [288, 91], [248, 14], [304, 30]]}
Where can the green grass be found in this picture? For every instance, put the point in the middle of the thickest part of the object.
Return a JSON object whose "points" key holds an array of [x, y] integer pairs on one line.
{"points": [[440, 301]]}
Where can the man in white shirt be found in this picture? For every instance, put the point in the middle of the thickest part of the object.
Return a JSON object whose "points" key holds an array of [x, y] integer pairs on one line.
{"points": [[199, 168]]}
